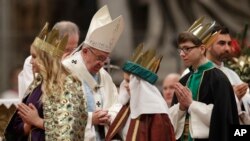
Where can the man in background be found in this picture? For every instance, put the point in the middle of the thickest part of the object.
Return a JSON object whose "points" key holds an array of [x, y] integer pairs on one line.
{"points": [[168, 87], [218, 52]]}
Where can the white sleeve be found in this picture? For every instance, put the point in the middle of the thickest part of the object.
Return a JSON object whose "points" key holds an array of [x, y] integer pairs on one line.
{"points": [[90, 129], [113, 111], [244, 118], [177, 118], [186, 71], [245, 115], [123, 96], [200, 115], [25, 77]]}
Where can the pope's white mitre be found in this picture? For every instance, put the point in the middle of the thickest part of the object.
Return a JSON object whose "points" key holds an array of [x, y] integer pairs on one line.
{"points": [[104, 32]]}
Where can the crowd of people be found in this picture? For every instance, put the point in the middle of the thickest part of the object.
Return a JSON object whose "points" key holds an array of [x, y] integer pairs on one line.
{"points": [[68, 95]]}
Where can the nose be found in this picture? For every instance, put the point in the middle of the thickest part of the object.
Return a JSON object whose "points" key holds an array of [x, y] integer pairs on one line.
{"points": [[126, 85], [227, 47], [101, 63], [181, 53]]}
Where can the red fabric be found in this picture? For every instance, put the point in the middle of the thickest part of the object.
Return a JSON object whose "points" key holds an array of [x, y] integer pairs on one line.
{"points": [[155, 127]]}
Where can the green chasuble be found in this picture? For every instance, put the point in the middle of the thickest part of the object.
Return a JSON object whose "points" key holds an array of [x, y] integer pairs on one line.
{"points": [[193, 84], [196, 77]]}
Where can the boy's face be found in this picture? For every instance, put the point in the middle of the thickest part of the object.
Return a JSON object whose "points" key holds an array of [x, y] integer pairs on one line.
{"points": [[127, 79], [190, 53]]}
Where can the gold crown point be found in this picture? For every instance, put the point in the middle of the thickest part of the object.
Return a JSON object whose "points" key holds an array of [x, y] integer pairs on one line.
{"points": [[137, 53], [157, 64], [63, 43], [196, 23], [212, 39], [202, 31], [50, 41], [44, 31], [53, 34], [148, 56], [146, 59]]}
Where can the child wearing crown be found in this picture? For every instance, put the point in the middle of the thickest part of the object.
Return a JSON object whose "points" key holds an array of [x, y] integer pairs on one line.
{"points": [[144, 115], [204, 103], [54, 107]]}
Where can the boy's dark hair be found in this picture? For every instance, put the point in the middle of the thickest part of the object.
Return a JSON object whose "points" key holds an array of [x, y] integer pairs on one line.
{"points": [[187, 36], [222, 29]]}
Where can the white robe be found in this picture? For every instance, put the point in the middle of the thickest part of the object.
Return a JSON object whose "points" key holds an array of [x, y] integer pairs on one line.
{"points": [[199, 121], [144, 98], [245, 100], [76, 65], [25, 77]]}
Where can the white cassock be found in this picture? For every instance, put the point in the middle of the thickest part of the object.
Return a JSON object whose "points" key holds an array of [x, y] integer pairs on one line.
{"points": [[245, 100], [199, 120], [25, 77], [76, 65], [144, 98]]}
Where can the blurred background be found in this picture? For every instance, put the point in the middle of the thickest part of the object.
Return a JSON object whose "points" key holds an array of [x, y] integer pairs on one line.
{"points": [[154, 22]]}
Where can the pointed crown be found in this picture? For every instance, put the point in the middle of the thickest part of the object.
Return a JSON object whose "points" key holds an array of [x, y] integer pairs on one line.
{"points": [[50, 42], [203, 31], [144, 64], [103, 32]]}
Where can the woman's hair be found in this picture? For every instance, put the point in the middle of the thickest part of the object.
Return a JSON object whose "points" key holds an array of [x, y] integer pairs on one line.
{"points": [[187, 36], [52, 72]]}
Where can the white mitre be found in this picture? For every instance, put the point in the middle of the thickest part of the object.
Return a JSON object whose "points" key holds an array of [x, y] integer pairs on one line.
{"points": [[104, 32]]}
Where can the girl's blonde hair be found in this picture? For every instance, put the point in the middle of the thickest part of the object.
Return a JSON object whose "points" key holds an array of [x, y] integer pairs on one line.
{"points": [[52, 72]]}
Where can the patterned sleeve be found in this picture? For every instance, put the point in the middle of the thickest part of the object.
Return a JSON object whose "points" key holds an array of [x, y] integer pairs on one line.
{"points": [[65, 115]]}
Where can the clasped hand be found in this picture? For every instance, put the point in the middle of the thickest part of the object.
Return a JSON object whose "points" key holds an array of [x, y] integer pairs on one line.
{"points": [[100, 117], [184, 96]]}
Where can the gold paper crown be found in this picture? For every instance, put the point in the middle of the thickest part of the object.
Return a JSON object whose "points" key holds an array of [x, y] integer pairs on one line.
{"points": [[203, 31], [144, 64], [50, 41], [147, 59]]}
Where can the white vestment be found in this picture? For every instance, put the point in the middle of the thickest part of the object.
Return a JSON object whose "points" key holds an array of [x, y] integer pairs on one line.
{"points": [[245, 100], [76, 65], [25, 77], [144, 98]]}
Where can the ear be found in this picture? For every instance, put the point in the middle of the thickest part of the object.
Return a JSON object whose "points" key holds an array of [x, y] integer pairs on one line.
{"points": [[203, 48]]}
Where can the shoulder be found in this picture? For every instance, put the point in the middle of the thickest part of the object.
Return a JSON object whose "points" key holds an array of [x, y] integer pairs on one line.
{"points": [[104, 74], [27, 65], [72, 80], [185, 77], [73, 61], [216, 76], [27, 60], [215, 72], [230, 73]]}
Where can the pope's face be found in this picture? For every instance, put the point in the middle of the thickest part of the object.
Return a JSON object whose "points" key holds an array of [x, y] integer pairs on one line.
{"points": [[94, 59]]}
